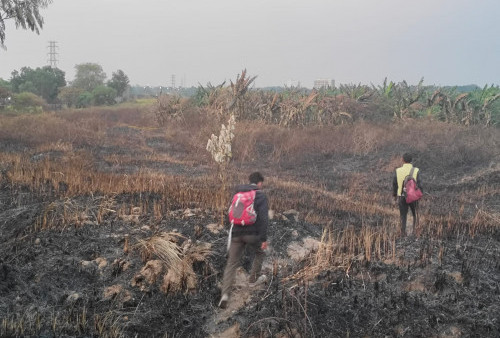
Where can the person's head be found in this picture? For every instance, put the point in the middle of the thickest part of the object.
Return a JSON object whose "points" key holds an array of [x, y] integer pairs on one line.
{"points": [[407, 158], [256, 178]]}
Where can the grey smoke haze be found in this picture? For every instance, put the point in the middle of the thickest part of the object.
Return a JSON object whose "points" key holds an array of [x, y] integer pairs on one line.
{"points": [[445, 41]]}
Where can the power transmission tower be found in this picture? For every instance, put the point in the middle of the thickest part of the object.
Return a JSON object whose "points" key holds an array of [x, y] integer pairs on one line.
{"points": [[52, 54], [173, 81]]}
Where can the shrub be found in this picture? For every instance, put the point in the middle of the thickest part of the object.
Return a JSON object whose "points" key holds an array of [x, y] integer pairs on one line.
{"points": [[26, 102], [104, 95], [84, 100], [69, 96], [168, 107], [5, 97]]}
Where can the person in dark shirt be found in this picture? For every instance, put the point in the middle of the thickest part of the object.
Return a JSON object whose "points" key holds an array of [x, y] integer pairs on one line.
{"points": [[253, 236]]}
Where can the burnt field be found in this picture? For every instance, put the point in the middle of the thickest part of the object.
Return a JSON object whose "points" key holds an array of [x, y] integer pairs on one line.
{"points": [[110, 226]]}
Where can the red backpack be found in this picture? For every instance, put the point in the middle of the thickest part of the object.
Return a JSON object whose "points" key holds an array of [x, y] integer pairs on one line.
{"points": [[241, 211], [411, 192]]}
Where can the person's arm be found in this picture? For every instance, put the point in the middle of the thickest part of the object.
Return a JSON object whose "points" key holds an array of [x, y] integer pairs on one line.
{"points": [[395, 186], [419, 181]]}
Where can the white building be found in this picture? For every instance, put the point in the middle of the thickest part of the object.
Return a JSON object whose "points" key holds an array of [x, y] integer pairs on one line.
{"points": [[323, 83]]}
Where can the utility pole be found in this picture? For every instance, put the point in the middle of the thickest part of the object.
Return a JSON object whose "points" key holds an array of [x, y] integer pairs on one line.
{"points": [[52, 54]]}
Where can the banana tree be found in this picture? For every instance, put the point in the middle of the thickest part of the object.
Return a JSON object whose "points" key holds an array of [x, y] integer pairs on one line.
{"points": [[294, 111], [358, 92], [404, 96], [267, 106], [207, 96], [385, 90], [479, 106], [451, 105]]}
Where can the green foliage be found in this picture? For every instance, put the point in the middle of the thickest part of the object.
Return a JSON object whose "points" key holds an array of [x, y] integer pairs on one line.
{"points": [[27, 86], [84, 100], [462, 89], [358, 92], [88, 76], [44, 82], [207, 96], [27, 102], [299, 106], [481, 105], [292, 107], [477, 107], [104, 95], [200, 98], [5, 84], [5, 97], [385, 90], [327, 91], [119, 82], [69, 96], [431, 112], [26, 14], [495, 113], [449, 104], [404, 96], [144, 102]]}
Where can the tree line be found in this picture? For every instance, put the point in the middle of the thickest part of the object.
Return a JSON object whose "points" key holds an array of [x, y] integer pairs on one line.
{"points": [[467, 105], [30, 89]]}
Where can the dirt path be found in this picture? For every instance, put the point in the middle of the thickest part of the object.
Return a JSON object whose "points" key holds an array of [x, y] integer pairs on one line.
{"points": [[221, 324]]}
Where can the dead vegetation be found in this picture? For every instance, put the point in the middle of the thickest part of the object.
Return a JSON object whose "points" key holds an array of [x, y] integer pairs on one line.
{"points": [[78, 186], [169, 107], [175, 259]]}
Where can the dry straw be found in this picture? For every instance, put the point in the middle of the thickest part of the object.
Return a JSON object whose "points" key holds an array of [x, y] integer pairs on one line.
{"points": [[165, 247]]}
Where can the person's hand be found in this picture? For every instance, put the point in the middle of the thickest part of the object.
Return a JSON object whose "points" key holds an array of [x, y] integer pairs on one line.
{"points": [[263, 246]]}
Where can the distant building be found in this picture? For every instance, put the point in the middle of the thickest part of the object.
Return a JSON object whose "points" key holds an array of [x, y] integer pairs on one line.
{"points": [[323, 83]]}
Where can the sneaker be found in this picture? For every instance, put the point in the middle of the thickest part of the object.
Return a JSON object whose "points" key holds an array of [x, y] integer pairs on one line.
{"points": [[262, 279], [223, 301]]}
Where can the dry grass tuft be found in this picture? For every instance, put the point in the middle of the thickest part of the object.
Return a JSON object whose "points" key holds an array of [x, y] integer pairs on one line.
{"points": [[186, 278], [178, 260], [165, 247]]}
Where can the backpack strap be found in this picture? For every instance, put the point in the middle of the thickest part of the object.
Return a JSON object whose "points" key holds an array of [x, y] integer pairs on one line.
{"points": [[411, 172], [230, 236]]}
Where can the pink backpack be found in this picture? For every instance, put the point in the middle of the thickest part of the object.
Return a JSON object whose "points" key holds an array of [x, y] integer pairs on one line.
{"points": [[411, 192], [241, 211]]}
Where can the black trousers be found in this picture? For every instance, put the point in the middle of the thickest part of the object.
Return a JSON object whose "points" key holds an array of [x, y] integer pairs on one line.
{"points": [[403, 212]]}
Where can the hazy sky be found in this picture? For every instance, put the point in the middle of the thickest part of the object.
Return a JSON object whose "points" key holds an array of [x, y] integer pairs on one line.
{"points": [[445, 41]]}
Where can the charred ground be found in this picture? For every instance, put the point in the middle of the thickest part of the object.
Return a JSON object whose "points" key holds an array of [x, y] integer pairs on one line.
{"points": [[82, 221]]}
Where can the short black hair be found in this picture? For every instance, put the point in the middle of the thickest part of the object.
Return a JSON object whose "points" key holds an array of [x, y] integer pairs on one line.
{"points": [[407, 157], [256, 177]]}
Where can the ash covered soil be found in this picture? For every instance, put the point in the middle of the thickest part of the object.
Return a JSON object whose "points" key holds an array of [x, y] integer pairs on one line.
{"points": [[84, 282], [98, 277]]}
